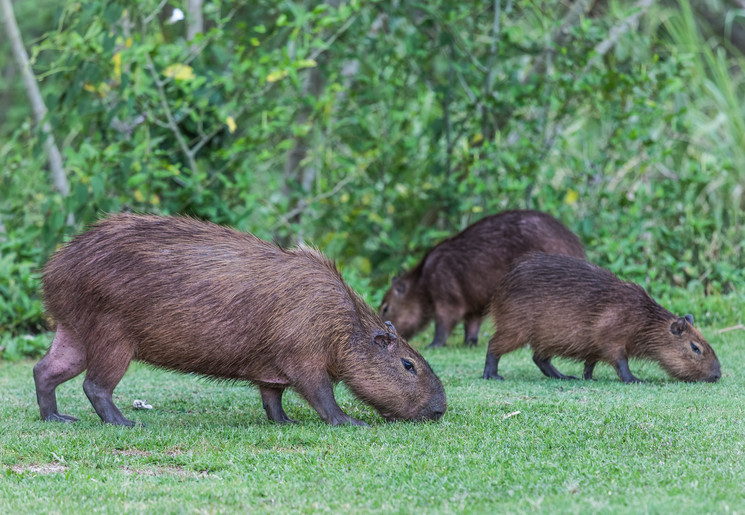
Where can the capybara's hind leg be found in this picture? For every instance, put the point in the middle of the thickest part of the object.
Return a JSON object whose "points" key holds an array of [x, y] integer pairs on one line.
{"points": [[471, 324], [64, 360], [548, 369], [105, 369], [271, 398]]}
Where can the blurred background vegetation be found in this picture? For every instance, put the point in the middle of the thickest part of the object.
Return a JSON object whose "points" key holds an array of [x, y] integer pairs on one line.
{"points": [[375, 129]]}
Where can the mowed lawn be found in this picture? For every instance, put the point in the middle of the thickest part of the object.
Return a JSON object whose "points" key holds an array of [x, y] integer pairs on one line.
{"points": [[526, 444]]}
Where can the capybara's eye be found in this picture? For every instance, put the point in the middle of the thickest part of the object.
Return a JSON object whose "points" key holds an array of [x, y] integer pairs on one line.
{"points": [[695, 348], [408, 365], [384, 309]]}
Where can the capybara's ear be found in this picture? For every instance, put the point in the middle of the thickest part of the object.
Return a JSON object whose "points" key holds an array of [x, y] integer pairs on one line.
{"points": [[384, 339], [399, 285], [689, 317], [679, 326], [392, 328]]}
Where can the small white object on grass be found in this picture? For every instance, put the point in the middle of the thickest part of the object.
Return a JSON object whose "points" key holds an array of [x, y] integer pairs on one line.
{"points": [[138, 404]]}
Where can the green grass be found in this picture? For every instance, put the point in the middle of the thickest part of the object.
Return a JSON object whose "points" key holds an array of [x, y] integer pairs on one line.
{"points": [[523, 445]]}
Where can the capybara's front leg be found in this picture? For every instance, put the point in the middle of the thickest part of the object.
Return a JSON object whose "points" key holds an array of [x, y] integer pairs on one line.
{"points": [[271, 398], [622, 369], [443, 328], [490, 367], [104, 405], [446, 316], [589, 369], [319, 393], [64, 360], [471, 324], [549, 369]]}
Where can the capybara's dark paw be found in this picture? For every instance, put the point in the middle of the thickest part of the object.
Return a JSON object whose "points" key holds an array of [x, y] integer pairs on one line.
{"points": [[492, 375], [633, 380], [59, 417], [435, 345], [125, 422]]}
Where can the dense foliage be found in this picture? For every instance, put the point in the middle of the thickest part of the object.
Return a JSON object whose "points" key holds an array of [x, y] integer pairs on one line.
{"points": [[374, 129]]}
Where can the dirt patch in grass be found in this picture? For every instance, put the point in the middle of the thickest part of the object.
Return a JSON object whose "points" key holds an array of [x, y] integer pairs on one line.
{"points": [[165, 471], [42, 469]]}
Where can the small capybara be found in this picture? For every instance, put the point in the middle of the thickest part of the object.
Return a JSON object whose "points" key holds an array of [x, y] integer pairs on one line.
{"points": [[564, 306], [456, 278], [193, 296]]}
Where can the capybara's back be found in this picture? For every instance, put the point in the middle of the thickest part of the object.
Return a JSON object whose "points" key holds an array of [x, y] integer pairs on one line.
{"points": [[564, 306], [192, 296], [456, 279]]}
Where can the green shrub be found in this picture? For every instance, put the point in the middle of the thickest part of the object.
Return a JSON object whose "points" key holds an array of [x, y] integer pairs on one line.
{"points": [[427, 118]]}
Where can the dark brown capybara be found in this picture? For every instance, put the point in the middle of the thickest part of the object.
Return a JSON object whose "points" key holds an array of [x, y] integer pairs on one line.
{"points": [[456, 278], [193, 296], [564, 306]]}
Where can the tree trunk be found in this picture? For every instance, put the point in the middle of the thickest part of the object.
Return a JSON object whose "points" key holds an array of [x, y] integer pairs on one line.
{"points": [[297, 178], [194, 19], [34, 96]]}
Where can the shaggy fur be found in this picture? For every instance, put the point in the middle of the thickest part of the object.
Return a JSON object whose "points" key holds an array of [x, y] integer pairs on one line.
{"points": [[564, 306], [456, 278], [192, 296]]}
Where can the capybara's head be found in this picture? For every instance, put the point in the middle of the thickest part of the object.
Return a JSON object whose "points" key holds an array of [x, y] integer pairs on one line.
{"points": [[685, 354], [387, 373], [405, 307]]}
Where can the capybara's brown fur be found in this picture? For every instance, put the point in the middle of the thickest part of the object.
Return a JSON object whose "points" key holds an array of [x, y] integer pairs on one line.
{"points": [[192, 296], [564, 306], [456, 278]]}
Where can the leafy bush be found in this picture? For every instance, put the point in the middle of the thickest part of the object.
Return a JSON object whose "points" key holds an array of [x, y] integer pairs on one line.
{"points": [[406, 122]]}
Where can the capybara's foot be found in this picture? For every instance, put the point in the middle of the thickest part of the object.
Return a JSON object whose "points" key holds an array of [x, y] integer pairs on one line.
{"points": [[59, 417], [346, 419], [494, 375], [283, 420], [124, 422], [436, 345], [471, 342]]}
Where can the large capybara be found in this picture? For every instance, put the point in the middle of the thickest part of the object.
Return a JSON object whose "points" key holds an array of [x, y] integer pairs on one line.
{"points": [[564, 306], [192, 296], [456, 278]]}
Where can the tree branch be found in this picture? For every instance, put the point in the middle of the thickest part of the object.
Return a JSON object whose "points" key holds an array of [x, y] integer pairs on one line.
{"points": [[34, 96], [617, 31], [188, 153], [303, 205], [559, 37]]}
